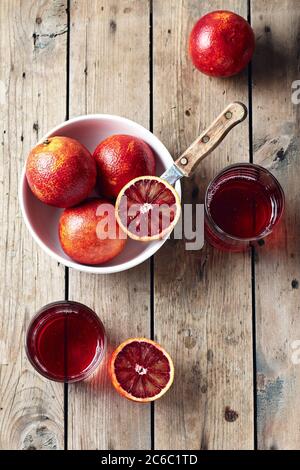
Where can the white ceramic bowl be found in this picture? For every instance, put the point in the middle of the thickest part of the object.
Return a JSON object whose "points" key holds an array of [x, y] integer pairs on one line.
{"points": [[42, 220]]}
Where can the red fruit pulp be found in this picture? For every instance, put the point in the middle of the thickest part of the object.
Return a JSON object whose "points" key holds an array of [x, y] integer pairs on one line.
{"points": [[142, 369], [65, 341], [242, 208], [221, 43], [151, 207]]}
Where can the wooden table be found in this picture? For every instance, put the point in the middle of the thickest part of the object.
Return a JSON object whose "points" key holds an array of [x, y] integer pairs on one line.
{"points": [[228, 320]]}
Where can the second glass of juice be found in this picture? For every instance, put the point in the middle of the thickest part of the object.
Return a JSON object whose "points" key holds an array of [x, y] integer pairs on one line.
{"points": [[243, 204], [65, 341]]}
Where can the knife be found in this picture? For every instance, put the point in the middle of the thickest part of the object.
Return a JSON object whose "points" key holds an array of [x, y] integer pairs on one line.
{"points": [[208, 140]]}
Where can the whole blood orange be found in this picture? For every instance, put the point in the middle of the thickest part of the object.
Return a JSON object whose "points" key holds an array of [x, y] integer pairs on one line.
{"points": [[221, 44], [89, 232], [141, 370], [61, 172], [120, 158], [147, 208]]}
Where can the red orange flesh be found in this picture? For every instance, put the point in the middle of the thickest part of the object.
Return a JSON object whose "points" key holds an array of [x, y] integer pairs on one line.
{"points": [[147, 208], [141, 370]]}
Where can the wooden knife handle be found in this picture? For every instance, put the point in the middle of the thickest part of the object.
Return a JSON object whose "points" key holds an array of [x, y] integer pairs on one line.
{"points": [[209, 139]]}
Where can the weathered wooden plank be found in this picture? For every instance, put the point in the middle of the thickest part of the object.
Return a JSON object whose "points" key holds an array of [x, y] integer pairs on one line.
{"points": [[109, 73], [32, 98], [277, 144], [202, 298]]}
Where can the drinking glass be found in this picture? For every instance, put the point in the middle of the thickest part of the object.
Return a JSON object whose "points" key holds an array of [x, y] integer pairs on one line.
{"points": [[243, 204], [65, 341]]}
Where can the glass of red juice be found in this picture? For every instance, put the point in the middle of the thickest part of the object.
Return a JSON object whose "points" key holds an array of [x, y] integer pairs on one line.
{"points": [[65, 341], [243, 204]]}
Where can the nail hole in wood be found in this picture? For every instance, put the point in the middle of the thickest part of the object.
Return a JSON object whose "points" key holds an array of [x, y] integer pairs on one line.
{"points": [[295, 284]]}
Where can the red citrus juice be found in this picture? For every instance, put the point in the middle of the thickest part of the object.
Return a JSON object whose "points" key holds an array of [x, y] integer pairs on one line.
{"points": [[243, 204], [65, 341]]}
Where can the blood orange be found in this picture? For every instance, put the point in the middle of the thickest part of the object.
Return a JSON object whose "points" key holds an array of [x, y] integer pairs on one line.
{"points": [[120, 158], [89, 233], [147, 208], [221, 43], [141, 370], [61, 172]]}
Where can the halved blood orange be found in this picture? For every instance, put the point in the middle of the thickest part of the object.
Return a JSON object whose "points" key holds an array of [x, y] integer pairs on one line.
{"points": [[141, 370], [147, 208]]}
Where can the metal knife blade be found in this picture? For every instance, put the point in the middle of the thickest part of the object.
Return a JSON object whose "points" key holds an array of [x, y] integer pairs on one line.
{"points": [[172, 174]]}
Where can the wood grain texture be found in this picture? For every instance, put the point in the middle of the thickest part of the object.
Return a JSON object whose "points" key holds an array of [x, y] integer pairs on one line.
{"points": [[109, 73], [202, 298], [32, 97], [277, 145]]}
